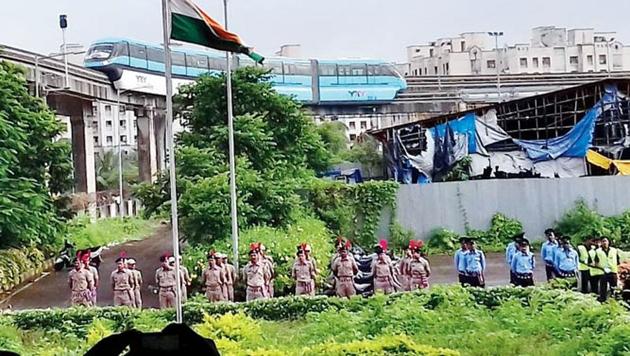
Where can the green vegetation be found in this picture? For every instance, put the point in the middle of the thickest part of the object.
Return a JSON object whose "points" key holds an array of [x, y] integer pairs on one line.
{"points": [[33, 166], [446, 320], [14, 263], [107, 171], [82, 233]]}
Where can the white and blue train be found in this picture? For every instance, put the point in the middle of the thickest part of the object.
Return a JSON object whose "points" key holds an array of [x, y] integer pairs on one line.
{"points": [[134, 65]]}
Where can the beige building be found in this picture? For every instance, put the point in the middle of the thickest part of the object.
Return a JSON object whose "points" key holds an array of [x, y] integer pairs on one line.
{"points": [[550, 50]]}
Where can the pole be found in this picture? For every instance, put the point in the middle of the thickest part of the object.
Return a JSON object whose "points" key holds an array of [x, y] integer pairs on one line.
{"points": [[171, 147], [65, 56], [230, 114], [496, 47], [37, 76], [120, 157]]}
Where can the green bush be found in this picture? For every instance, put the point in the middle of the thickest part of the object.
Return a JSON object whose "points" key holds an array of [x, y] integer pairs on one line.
{"points": [[15, 263], [383, 345], [83, 233]]}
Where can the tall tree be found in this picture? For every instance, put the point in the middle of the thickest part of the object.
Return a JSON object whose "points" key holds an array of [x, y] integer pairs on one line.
{"points": [[277, 145], [34, 164]]}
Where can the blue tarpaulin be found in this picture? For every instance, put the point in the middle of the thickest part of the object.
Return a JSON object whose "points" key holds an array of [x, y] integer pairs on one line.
{"points": [[574, 143], [465, 125]]}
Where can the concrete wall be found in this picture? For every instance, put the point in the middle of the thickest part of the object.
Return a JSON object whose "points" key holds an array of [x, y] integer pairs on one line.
{"points": [[536, 203]]}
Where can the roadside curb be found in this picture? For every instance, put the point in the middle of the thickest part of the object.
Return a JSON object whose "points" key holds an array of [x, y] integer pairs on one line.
{"points": [[26, 278]]}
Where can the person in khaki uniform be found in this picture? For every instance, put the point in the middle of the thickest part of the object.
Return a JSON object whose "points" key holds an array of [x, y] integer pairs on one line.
{"points": [[344, 269], [256, 276], [303, 273], [81, 282], [230, 278], [213, 279], [122, 284], [382, 270], [186, 280], [166, 280], [85, 258], [137, 282], [418, 268], [267, 261]]}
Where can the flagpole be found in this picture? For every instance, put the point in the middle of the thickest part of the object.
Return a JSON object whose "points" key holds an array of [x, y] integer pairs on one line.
{"points": [[171, 150], [228, 57]]}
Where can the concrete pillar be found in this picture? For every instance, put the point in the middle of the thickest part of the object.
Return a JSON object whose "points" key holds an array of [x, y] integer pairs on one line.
{"points": [[113, 209], [159, 127], [147, 153], [83, 158], [129, 207]]}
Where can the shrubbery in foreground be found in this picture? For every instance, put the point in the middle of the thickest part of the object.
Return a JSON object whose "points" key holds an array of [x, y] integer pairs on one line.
{"points": [[442, 321]]}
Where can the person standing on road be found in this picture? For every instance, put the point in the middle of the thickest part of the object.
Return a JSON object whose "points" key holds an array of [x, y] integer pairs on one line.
{"points": [[267, 261], [309, 257], [344, 269], [404, 277], [122, 284], [137, 282], [303, 273], [523, 265], [186, 280], [566, 259], [595, 271], [510, 250], [460, 261], [547, 252], [608, 260], [86, 258], [418, 269], [583, 269], [474, 265], [166, 281], [230, 278], [80, 282], [255, 275], [382, 270], [213, 279]]}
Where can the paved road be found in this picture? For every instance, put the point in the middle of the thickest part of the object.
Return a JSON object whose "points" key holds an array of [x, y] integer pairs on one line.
{"points": [[52, 290]]}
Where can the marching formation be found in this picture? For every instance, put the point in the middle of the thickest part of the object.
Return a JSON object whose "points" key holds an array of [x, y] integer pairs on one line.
{"points": [[594, 263]]}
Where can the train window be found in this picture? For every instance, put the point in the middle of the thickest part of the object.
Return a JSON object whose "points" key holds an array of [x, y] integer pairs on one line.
{"points": [[344, 70], [328, 70], [155, 55], [197, 61], [100, 52], [179, 59], [138, 51], [276, 67], [217, 63], [297, 69], [358, 70], [121, 49], [373, 70]]}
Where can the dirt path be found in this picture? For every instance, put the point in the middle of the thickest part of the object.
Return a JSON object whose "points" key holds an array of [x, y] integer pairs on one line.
{"points": [[52, 289]]}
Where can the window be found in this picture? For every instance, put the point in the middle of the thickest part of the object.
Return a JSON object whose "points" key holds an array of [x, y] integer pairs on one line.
{"points": [[135, 124], [138, 51], [179, 59], [589, 59], [353, 137], [197, 61], [297, 69], [546, 62], [363, 125], [328, 70], [602, 59], [425, 71], [123, 138], [463, 46], [108, 124], [491, 63], [353, 126], [135, 138], [523, 62], [123, 123], [109, 139], [217, 63], [95, 124], [108, 110], [535, 62], [276, 67], [573, 60], [96, 140], [435, 70], [155, 55]]}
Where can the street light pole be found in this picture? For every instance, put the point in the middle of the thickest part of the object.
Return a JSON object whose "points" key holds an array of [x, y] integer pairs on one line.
{"points": [[63, 23], [39, 58]]}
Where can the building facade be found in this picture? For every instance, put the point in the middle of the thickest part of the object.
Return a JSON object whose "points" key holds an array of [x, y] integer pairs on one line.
{"points": [[111, 126], [550, 50]]}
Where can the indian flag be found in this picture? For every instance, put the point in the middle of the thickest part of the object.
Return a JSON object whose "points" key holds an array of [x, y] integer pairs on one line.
{"points": [[191, 24]]}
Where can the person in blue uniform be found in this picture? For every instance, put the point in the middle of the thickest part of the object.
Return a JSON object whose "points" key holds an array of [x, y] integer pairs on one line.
{"points": [[474, 264], [459, 261], [523, 265], [511, 248], [566, 259], [547, 252]]}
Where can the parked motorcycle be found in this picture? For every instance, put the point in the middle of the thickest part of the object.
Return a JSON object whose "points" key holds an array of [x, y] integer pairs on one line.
{"points": [[95, 255], [67, 257]]}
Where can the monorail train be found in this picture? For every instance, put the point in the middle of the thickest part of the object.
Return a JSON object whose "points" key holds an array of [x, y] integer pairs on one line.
{"points": [[138, 66]]}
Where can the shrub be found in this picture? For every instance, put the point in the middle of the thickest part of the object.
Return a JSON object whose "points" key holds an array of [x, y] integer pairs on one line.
{"points": [[15, 263], [442, 240], [384, 345], [83, 233]]}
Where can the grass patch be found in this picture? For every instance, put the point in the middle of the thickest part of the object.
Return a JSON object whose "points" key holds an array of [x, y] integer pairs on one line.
{"points": [[82, 233]]}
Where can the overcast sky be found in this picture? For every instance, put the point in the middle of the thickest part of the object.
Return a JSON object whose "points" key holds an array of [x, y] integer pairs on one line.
{"points": [[325, 28]]}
